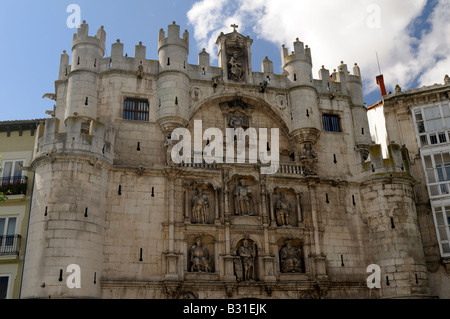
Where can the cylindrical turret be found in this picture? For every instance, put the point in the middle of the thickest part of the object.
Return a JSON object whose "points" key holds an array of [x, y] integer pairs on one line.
{"points": [[393, 229], [305, 115], [68, 209], [87, 53], [173, 80]]}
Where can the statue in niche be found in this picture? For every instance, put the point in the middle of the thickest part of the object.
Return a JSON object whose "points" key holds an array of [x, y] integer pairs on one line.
{"points": [[235, 67], [215, 81], [199, 257], [247, 255], [307, 151], [243, 203], [308, 159], [169, 144], [290, 259], [283, 209], [200, 205], [140, 71]]}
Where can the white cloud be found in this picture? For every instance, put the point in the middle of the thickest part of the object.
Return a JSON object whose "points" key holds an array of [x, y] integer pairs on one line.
{"points": [[340, 30]]}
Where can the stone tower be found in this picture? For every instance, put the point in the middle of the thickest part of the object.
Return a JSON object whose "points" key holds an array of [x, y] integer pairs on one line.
{"points": [[393, 229], [173, 80], [71, 172]]}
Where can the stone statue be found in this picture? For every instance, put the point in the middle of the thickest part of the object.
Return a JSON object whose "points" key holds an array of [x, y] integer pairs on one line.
{"points": [[200, 205], [290, 260], [215, 81], [243, 199], [235, 67], [140, 71], [199, 257], [398, 89], [247, 255], [169, 144], [307, 151], [447, 79], [283, 209]]}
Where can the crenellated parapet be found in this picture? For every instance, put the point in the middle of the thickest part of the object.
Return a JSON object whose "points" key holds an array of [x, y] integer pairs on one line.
{"points": [[91, 138], [396, 165]]}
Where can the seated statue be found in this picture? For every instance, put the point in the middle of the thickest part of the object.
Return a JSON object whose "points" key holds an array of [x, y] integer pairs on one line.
{"points": [[290, 258], [199, 257]]}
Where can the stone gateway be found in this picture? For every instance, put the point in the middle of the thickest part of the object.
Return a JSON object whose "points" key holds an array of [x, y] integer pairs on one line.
{"points": [[146, 227]]}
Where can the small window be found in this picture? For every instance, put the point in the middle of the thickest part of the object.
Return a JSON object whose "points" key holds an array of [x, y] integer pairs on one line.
{"points": [[136, 110], [331, 123]]}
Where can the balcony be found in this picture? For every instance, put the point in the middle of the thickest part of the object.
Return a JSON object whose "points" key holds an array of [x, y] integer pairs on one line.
{"points": [[10, 245], [16, 185]]}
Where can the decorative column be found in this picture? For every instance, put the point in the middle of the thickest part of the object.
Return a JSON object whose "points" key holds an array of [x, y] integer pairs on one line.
{"points": [[272, 213], [299, 210], [318, 257], [187, 218], [216, 207], [171, 256]]}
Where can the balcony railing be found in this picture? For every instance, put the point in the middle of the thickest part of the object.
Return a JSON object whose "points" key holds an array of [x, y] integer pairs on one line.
{"points": [[9, 245], [15, 185]]}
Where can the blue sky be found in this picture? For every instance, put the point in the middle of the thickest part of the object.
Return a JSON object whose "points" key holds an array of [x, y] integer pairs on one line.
{"points": [[405, 34]]}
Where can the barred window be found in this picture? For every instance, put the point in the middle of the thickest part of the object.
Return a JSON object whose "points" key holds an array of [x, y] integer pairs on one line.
{"points": [[136, 110], [331, 123]]}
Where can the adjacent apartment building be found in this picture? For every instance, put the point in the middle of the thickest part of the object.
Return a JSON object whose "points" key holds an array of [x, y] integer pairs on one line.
{"points": [[16, 151], [420, 119]]}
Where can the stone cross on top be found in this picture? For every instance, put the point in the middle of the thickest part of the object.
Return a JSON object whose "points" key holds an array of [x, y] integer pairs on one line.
{"points": [[234, 26]]}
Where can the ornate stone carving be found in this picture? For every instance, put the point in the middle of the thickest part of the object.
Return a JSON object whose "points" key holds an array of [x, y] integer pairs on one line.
{"points": [[200, 207], [290, 258], [140, 72], [247, 256], [169, 144], [283, 210], [308, 159], [199, 257], [243, 200], [235, 70]]}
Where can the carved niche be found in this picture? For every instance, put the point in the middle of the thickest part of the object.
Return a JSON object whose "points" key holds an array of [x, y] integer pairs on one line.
{"points": [[234, 49], [291, 256], [286, 206], [246, 260], [244, 196], [200, 257], [200, 201]]}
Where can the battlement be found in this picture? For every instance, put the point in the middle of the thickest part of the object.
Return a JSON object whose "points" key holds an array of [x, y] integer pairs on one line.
{"points": [[397, 164], [173, 37], [82, 136], [300, 53], [82, 37]]}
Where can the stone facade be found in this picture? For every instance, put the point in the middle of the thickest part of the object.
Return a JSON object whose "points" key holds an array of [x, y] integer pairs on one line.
{"points": [[420, 119], [109, 198]]}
